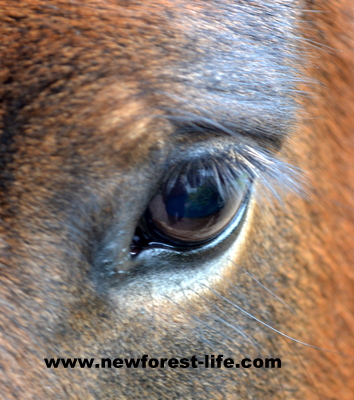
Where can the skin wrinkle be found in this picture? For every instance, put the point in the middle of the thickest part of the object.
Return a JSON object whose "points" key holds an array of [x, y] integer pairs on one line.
{"points": [[98, 98]]}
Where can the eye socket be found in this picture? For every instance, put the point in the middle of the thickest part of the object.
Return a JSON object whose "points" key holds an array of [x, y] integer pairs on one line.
{"points": [[197, 202]]}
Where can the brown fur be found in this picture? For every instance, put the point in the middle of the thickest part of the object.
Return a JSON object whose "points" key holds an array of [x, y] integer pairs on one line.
{"points": [[91, 92]]}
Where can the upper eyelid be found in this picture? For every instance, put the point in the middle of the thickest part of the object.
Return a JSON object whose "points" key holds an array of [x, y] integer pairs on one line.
{"points": [[187, 123]]}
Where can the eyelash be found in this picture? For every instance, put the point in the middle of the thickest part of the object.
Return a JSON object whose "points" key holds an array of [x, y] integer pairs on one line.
{"points": [[234, 171], [276, 176]]}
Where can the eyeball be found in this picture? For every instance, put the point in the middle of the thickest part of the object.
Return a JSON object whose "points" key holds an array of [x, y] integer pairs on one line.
{"points": [[195, 204]]}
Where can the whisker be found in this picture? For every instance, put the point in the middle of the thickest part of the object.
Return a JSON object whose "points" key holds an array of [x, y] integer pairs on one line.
{"points": [[200, 321], [317, 45], [263, 286], [244, 335], [305, 369], [254, 343], [276, 330], [232, 341]]}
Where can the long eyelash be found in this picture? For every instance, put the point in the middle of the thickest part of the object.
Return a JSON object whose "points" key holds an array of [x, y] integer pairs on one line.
{"points": [[245, 164], [276, 176]]}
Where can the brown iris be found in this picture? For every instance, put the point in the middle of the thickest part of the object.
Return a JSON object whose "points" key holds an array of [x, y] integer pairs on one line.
{"points": [[195, 205]]}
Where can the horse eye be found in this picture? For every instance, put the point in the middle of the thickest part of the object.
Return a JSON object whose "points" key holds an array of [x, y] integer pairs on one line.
{"points": [[194, 205]]}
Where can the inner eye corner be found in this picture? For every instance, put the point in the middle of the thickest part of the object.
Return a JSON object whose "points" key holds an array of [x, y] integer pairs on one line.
{"points": [[194, 205]]}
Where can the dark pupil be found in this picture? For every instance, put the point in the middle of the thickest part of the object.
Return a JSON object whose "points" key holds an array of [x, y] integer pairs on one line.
{"points": [[186, 201]]}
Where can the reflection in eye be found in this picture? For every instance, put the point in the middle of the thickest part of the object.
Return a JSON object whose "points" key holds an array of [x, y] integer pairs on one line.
{"points": [[196, 203]]}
